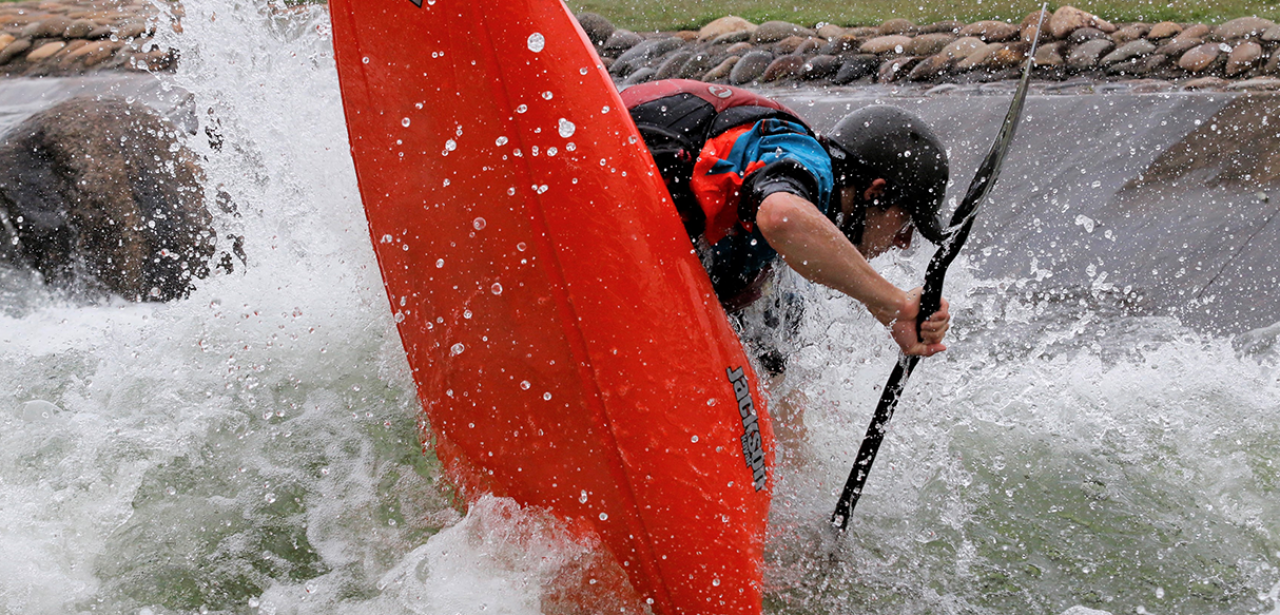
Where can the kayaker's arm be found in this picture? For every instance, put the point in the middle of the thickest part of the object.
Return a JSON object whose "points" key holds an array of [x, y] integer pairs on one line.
{"points": [[813, 246]]}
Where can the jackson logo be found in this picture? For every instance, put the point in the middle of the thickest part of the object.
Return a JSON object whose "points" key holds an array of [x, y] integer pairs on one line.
{"points": [[752, 442], [719, 91]]}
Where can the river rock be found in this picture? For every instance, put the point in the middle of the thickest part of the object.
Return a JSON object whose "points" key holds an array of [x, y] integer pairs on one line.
{"points": [[963, 48], [750, 67], [1199, 31], [699, 63], [722, 70], [798, 45], [1129, 51], [1244, 27], [621, 41], [895, 69], [897, 26], [941, 27], [1050, 54], [821, 67], [643, 74], [598, 28], [725, 25], [856, 67], [1163, 30], [863, 32], [932, 67], [978, 57], [991, 31], [671, 66], [1086, 56], [895, 44], [1129, 33], [830, 31], [741, 36], [1179, 46], [774, 31], [785, 67], [1200, 57], [1068, 19], [1244, 57], [649, 50], [1084, 35], [1272, 35], [5, 39], [1206, 83], [842, 44], [79, 28], [1272, 66], [45, 51], [1031, 24], [687, 36], [102, 186], [14, 49], [739, 49], [929, 44], [52, 27], [1139, 66], [1257, 84]]}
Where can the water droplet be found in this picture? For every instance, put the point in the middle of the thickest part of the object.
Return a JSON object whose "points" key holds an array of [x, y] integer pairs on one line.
{"points": [[479, 223], [567, 128], [450, 145], [466, 314], [694, 439], [604, 516], [171, 490], [525, 384], [496, 288], [501, 141], [537, 42], [547, 95], [571, 147], [543, 188], [551, 151], [365, 59], [522, 246], [405, 122], [388, 239], [457, 349], [522, 108], [546, 396], [439, 263], [399, 317], [583, 497], [511, 191], [605, 109], [271, 498], [582, 70], [715, 582]]}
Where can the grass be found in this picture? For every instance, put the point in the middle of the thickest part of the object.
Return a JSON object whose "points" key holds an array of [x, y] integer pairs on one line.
{"points": [[642, 15]]}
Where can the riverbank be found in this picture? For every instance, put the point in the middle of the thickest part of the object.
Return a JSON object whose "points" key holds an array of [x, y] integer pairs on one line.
{"points": [[66, 38]]}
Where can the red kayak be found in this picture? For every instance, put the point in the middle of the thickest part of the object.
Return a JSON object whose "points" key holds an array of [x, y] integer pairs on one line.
{"points": [[567, 346]]}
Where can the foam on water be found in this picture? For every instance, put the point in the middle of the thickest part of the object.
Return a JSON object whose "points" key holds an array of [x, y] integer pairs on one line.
{"points": [[253, 449]]}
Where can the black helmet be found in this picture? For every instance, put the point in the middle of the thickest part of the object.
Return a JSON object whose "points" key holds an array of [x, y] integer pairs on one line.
{"points": [[887, 142]]}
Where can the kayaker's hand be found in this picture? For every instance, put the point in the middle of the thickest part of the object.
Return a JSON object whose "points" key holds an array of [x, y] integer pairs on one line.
{"points": [[933, 330]]}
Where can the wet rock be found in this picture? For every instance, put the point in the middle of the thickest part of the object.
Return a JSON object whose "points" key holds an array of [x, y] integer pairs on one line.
{"points": [[896, 44], [102, 195], [863, 32], [641, 75], [1244, 27], [1139, 66], [821, 67], [725, 25], [897, 26], [929, 44], [1206, 83], [739, 49], [45, 51], [79, 28], [649, 50], [672, 65], [621, 41], [750, 67], [1068, 19], [1200, 58], [5, 39], [963, 48], [991, 31], [1163, 30], [1007, 56], [932, 67], [895, 69], [842, 44], [830, 31], [942, 27], [796, 44], [1272, 35], [1130, 33], [1243, 58], [52, 27], [1086, 56], [1129, 51], [786, 67], [1050, 54], [598, 28], [1179, 46], [1273, 65], [14, 50], [978, 57], [774, 31], [722, 70], [1257, 84], [1199, 31], [700, 63], [742, 36], [687, 36], [856, 67], [1084, 35]]}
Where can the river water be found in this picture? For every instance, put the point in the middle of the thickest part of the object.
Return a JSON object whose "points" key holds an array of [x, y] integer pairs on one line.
{"points": [[252, 449]]}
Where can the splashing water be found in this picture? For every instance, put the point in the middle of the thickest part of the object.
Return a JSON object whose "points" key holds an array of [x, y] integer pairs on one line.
{"points": [[253, 449]]}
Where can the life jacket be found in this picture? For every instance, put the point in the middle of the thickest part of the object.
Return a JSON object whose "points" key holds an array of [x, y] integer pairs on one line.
{"points": [[677, 117]]}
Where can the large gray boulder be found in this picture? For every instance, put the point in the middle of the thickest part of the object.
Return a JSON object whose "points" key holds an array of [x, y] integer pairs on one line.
{"points": [[98, 193]]}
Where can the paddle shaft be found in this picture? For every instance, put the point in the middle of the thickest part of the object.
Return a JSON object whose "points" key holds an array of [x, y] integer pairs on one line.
{"points": [[931, 298]]}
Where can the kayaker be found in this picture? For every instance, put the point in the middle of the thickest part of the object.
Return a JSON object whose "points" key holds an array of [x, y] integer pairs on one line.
{"points": [[753, 182]]}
